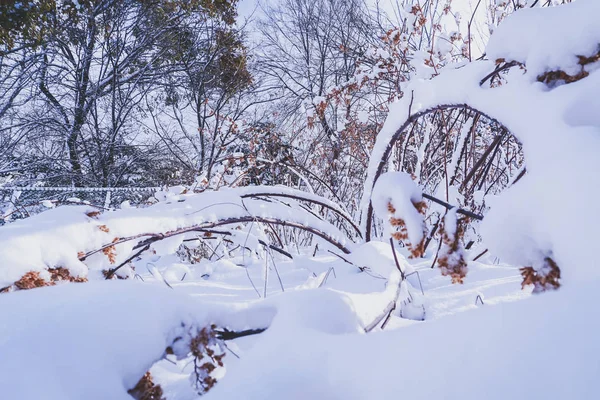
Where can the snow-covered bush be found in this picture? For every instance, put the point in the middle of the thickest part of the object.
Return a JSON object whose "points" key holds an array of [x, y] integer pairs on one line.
{"points": [[451, 257], [92, 244], [397, 197], [554, 121]]}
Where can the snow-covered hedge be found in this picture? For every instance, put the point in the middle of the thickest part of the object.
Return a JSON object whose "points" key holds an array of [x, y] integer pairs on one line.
{"points": [[81, 238]]}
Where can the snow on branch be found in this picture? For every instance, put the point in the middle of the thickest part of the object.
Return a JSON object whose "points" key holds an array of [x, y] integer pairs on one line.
{"points": [[252, 192], [398, 197], [451, 257], [555, 44], [78, 238]]}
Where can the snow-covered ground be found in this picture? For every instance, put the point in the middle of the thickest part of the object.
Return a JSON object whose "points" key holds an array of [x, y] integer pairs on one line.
{"points": [[95, 339]]}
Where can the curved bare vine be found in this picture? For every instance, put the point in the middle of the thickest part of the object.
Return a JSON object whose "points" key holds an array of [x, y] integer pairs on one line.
{"points": [[337, 210], [149, 238], [483, 162]]}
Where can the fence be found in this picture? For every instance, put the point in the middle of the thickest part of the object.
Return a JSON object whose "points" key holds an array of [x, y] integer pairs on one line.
{"points": [[21, 201]]}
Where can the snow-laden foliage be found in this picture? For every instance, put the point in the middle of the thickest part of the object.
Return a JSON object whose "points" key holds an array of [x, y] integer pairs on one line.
{"points": [[530, 221], [79, 238], [397, 197], [545, 45], [451, 257]]}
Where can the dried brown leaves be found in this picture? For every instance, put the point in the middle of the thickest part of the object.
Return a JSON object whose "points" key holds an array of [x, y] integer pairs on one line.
{"points": [[451, 259], [206, 359], [545, 277], [62, 274], [551, 77], [93, 214], [33, 279], [111, 252], [401, 232], [146, 389], [194, 254]]}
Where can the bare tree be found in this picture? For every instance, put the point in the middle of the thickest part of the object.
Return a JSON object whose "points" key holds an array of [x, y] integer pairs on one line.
{"points": [[308, 49]]}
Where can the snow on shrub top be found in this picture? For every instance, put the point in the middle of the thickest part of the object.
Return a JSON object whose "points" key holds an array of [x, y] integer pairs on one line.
{"points": [[549, 38]]}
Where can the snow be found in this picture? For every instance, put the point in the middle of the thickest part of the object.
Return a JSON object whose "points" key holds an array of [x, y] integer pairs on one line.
{"points": [[314, 346], [378, 257], [450, 222], [399, 190], [116, 330], [548, 39], [539, 348]]}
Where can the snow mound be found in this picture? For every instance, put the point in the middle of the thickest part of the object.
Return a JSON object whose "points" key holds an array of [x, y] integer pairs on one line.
{"points": [[96, 340], [549, 38], [510, 351], [92, 340]]}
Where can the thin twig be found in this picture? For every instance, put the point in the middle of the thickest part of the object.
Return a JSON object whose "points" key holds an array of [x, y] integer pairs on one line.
{"points": [[339, 212], [154, 237], [387, 312], [277, 272], [159, 274], [111, 272], [231, 351], [266, 275], [418, 277], [480, 255], [497, 70], [226, 334], [396, 258], [326, 276]]}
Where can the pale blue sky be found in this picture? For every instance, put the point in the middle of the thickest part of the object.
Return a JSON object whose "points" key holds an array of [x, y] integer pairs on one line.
{"points": [[465, 7]]}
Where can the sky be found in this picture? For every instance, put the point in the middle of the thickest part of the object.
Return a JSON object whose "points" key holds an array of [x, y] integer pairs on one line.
{"points": [[250, 8], [246, 7]]}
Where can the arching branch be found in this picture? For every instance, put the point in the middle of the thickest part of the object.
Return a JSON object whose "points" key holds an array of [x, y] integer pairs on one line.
{"points": [[155, 237], [338, 211], [392, 142]]}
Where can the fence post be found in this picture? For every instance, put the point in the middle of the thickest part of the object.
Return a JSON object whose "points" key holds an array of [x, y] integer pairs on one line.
{"points": [[107, 200]]}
